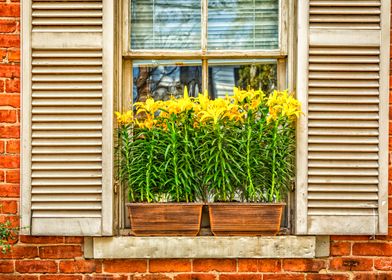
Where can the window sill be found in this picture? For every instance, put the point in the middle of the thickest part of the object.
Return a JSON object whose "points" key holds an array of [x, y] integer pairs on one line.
{"points": [[125, 247]]}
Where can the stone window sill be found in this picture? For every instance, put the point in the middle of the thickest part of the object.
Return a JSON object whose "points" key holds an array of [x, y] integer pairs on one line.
{"points": [[126, 247]]}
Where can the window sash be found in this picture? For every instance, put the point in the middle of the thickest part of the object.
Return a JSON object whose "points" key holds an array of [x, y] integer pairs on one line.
{"points": [[281, 51]]}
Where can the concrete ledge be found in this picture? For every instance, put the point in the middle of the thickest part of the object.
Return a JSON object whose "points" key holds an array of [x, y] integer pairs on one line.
{"points": [[201, 247]]}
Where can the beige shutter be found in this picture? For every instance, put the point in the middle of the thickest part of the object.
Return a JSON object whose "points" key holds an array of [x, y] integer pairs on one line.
{"points": [[67, 117], [342, 81]]}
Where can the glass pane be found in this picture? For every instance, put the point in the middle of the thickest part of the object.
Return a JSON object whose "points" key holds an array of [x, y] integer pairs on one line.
{"points": [[243, 24], [165, 24], [223, 75], [162, 78]]}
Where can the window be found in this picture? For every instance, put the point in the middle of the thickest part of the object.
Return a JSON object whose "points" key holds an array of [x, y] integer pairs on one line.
{"points": [[204, 45]]}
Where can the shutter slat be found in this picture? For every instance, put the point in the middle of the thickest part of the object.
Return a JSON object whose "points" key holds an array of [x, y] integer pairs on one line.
{"points": [[67, 190], [342, 156], [342, 204], [340, 212]]}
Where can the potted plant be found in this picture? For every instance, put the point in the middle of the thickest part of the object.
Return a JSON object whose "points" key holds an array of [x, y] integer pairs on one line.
{"points": [[236, 152], [157, 164], [249, 163]]}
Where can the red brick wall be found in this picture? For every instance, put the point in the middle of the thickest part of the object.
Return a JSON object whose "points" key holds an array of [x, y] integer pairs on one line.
{"points": [[61, 258]]}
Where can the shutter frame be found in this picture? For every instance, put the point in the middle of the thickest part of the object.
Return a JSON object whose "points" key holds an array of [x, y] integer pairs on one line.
{"points": [[335, 37], [52, 43]]}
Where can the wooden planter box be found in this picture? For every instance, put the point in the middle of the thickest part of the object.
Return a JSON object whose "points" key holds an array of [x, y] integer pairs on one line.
{"points": [[165, 219], [245, 219]]}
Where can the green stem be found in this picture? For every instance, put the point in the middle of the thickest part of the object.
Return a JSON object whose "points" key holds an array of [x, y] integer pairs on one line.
{"points": [[175, 160], [148, 170], [274, 138], [128, 157], [251, 190], [219, 136]]}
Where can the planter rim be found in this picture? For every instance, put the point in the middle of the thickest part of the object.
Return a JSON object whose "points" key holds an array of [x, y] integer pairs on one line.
{"points": [[164, 203], [247, 203]]}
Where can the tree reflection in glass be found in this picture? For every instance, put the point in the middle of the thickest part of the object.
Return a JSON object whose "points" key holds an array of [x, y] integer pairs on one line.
{"points": [[162, 79]]}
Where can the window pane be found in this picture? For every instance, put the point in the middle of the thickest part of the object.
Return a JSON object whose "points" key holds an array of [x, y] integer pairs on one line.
{"points": [[243, 24], [223, 75], [165, 24], [162, 78]]}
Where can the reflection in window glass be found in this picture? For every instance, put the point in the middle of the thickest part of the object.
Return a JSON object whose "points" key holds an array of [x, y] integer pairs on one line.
{"points": [[165, 24], [223, 75], [243, 24], [161, 79]]}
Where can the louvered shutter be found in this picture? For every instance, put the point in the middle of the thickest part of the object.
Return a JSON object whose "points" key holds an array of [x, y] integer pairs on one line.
{"points": [[343, 73], [67, 117]]}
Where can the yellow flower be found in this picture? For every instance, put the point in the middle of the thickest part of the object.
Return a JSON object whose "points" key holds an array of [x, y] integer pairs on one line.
{"points": [[148, 122], [281, 103], [125, 118], [148, 107]]}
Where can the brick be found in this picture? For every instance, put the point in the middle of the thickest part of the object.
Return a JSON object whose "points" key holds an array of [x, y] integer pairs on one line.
{"points": [[8, 207], [240, 277], [9, 71], [106, 277], [372, 249], [2, 83], [12, 85], [2, 147], [152, 277], [7, 267], [344, 264], [127, 266], [283, 276], [21, 252], [9, 10], [3, 58], [60, 252], [259, 265], [9, 161], [13, 146], [12, 176], [19, 277], [220, 265], [61, 277], [172, 265], [303, 265], [7, 26], [2, 176], [327, 277], [373, 276], [7, 116], [41, 239], [350, 237], [9, 132], [80, 266], [340, 248], [35, 266], [13, 56], [74, 239], [12, 100], [194, 276], [383, 263], [9, 190]]}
